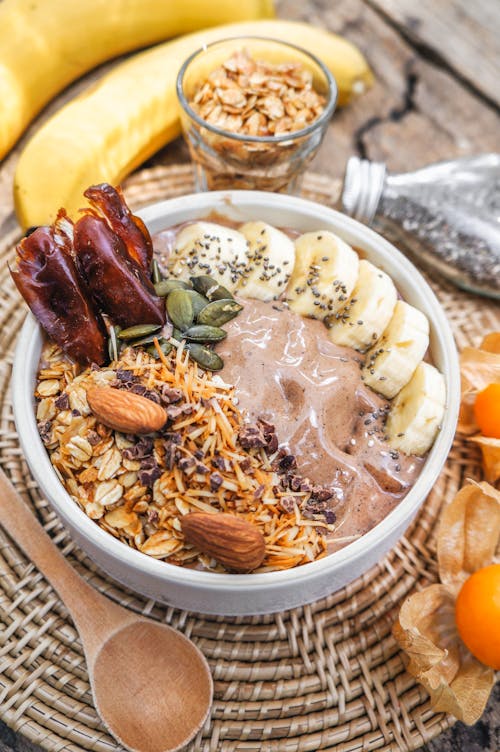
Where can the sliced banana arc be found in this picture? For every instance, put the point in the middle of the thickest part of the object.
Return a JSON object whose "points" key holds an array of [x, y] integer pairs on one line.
{"points": [[391, 362], [325, 272], [209, 248], [271, 258], [417, 411], [360, 323]]}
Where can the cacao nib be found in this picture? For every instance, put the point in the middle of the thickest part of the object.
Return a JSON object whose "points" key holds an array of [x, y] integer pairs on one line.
{"points": [[287, 504], [170, 454], [266, 426], [246, 464], [62, 402], [186, 463], [272, 444], [149, 472], [148, 477], [220, 463], [288, 462], [143, 448], [259, 492], [306, 485], [252, 436], [45, 431], [93, 438], [150, 394], [216, 481], [126, 377], [321, 493], [314, 506], [175, 411], [170, 395], [139, 389], [269, 432], [173, 437]]}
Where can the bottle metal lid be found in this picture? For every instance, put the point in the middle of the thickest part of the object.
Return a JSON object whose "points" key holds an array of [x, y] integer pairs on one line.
{"points": [[362, 189]]}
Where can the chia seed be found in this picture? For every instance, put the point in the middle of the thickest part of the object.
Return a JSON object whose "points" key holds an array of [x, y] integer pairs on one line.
{"points": [[470, 261]]}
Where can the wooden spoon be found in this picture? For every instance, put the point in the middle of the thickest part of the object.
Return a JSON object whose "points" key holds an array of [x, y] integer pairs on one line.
{"points": [[151, 685]]}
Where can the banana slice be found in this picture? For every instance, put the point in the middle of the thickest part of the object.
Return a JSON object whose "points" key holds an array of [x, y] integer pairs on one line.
{"points": [[208, 248], [417, 411], [271, 257], [362, 320], [390, 363], [325, 272]]}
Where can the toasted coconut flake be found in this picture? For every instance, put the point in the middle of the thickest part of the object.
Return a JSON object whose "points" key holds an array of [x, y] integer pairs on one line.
{"points": [[468, 536]]}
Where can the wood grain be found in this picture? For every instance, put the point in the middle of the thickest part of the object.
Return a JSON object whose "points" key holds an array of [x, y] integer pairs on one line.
{"points": [[458, 34], [416, 113]]}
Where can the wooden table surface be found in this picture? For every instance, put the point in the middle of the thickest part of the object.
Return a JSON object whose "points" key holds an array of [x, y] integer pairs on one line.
{"points": [[436, 96]]}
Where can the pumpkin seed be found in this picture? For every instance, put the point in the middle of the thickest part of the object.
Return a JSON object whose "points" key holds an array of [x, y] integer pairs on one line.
{"points": [[199, 302], [113, 344], [163, 288], [204, 356], [156, 275], [177, 334], [204, 333], [210, 288], [144, 340], [139, 330], [219, 312], [165, 347], [180, 309]]}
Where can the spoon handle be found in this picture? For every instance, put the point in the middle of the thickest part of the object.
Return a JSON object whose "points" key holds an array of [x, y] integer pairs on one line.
{"points": [[91, 612]]}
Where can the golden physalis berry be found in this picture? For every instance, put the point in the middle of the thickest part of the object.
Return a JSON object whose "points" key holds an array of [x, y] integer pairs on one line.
{"points": [[477, 615], [487, 411]]}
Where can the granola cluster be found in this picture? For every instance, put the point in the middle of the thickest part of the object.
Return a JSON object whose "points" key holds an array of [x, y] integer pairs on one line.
{"points": [[258, 98]]}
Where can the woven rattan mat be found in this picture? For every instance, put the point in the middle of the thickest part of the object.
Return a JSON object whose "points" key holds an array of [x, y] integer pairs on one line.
{"points": [[323, 677]]}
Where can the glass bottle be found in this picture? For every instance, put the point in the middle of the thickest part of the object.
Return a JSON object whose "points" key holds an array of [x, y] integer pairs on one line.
{"points": [[446, 215]]}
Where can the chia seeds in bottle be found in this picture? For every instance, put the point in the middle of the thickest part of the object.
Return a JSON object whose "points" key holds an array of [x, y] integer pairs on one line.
{"points": [[446, 215]]}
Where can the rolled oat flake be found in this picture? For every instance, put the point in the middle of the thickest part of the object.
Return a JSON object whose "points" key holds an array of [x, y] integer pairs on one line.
{"points": [[446, 216]]}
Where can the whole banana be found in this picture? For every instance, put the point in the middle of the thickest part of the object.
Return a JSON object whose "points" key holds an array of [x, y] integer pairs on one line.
{"points": [[46, 45], [121, 120]]}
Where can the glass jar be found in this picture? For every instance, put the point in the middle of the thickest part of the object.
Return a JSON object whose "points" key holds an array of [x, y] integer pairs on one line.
{"points": [[224, 158]]}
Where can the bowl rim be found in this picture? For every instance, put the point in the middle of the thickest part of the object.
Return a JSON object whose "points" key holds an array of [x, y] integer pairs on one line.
{"points": [[43, 471], [319, 123]]}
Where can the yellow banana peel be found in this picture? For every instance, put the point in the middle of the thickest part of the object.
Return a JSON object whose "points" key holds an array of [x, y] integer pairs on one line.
{"points": [[47, 44], [120, 121]]}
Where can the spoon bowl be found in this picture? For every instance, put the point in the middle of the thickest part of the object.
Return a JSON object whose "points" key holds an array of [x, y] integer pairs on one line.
{"points": [[150, 687]]}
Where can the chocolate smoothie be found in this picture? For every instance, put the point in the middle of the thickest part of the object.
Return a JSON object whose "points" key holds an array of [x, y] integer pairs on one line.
{"points": [[287, 371]]}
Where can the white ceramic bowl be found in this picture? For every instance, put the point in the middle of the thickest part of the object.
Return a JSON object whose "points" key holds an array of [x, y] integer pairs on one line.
{"points": [[230, 594]]}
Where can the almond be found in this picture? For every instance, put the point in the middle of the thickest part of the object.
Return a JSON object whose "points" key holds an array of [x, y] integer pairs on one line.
{"points": [[235, 543], [125, 411]]}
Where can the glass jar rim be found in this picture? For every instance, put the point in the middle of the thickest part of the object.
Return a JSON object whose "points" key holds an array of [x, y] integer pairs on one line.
{"points": [[321, 120]]}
